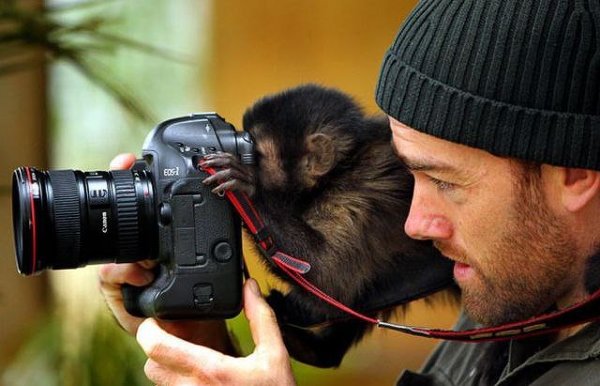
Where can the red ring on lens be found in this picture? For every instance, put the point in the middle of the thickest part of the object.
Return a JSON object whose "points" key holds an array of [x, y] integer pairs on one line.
{"points": [[33, 222]]}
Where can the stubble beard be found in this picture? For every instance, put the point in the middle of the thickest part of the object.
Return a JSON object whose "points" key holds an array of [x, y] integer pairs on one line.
{"points": [[528, 267]]}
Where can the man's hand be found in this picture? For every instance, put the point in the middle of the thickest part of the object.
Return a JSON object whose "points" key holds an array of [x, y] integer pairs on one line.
{"points": [[112, 276], [173, 361], [197, 352]]}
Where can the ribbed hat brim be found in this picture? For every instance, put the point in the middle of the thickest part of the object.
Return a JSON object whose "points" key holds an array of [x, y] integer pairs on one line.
{"points": [[430, 106]]}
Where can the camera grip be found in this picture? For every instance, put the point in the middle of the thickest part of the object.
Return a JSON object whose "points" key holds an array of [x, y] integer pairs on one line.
{"points": [[131, 299]]}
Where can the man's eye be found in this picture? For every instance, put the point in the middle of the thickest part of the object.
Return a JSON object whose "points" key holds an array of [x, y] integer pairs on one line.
{"points": [[441, 185]]}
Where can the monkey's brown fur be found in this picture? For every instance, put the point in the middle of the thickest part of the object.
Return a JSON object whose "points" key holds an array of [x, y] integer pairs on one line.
{"points": [[333, 193]]}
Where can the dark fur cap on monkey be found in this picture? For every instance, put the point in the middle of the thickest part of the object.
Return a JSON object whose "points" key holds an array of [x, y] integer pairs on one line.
{"points": [[516, 78], [314, 120]]}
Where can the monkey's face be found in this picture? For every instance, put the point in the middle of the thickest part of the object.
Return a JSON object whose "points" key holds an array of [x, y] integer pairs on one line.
{"points": [[270, 173], [290, 165]]}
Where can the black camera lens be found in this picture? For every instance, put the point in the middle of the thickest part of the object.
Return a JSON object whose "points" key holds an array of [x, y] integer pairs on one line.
{"points": [[69, 218]]}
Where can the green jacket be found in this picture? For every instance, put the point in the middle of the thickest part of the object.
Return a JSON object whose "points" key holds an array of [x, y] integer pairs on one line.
{"points": [[572, 361]]}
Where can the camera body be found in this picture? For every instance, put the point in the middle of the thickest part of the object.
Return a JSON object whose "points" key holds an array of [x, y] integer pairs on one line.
{"points": [[160, 209], [199, 234]]}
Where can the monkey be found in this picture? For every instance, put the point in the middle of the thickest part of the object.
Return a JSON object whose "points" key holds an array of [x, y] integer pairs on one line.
{"points": [[331, 191]]}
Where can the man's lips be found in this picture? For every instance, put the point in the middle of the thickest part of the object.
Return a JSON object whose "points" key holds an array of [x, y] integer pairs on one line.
{"points": [[462, 271]]}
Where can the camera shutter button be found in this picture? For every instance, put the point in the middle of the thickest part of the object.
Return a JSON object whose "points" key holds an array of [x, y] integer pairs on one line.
{"points": [[222, 252]]}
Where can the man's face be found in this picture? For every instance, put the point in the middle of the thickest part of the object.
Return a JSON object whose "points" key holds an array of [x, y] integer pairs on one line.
{"points": [[512, 253]]}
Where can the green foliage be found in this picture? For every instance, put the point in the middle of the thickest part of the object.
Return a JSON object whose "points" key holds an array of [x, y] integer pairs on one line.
{"points": [[38, 360], [107, 356], [29, 38]]}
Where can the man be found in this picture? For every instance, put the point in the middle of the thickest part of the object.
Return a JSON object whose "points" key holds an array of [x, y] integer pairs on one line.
{"points": [[518, 83], [495, 107]]}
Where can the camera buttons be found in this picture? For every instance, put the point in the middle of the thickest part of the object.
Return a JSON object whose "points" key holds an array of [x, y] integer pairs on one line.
{"points": [[222, 252], [165, 213], [203, 294], [201, 259]]}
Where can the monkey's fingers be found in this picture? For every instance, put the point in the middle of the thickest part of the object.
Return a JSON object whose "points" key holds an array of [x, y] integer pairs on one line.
{"points": [[221, 159], [227, 162], [235, 185], [228, 174]]}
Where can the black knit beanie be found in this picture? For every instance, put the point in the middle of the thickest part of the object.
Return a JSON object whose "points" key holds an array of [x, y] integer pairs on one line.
{"points": [[518, 78]]}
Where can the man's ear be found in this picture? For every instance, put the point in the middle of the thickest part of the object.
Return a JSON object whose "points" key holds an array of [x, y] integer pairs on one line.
{"points": [[579, 187], [320, 157]]}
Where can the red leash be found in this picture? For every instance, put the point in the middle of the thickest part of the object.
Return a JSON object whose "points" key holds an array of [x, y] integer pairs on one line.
{"points": [[585, 311]]}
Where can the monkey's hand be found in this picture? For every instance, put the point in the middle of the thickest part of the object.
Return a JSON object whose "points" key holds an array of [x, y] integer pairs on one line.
{"points": [[230, 175]]}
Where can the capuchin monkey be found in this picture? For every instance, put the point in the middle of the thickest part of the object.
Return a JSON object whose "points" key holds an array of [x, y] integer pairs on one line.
{"points": [[333, 193]]}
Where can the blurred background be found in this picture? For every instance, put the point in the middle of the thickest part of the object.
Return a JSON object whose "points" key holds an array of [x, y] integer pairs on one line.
{"points": [[81, 81]]}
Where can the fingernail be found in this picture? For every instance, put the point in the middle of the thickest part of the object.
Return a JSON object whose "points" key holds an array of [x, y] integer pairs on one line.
{"points": [[253, 285]]}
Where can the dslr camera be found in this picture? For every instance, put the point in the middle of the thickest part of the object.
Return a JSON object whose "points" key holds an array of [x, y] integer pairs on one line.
{"points": [[159, 209]]}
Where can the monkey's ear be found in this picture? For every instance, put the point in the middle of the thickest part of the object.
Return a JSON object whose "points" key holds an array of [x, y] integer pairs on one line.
{"points": [[321, 154]]}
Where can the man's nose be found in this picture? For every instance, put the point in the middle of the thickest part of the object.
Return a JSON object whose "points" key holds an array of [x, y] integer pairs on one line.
{"points": [[424, 224]]}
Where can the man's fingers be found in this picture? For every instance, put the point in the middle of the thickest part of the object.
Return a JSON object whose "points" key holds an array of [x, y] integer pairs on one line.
{"points": [[262, 320], [171, 351], [161, 375], [157, 373], [117, 274], [174, 361], [111, 279], [122, 161], [267, 336]]}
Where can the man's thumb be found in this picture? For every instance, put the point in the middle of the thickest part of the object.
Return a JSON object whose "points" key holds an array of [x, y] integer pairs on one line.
{"points": [[262, 319]]}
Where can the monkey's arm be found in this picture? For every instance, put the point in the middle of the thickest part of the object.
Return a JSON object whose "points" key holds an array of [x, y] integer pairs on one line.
{"points": [[292, 233], [328, 237]]}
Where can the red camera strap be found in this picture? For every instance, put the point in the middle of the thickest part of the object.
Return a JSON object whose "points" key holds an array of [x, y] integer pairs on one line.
{"points": [[583, 312], [242, 204]]}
